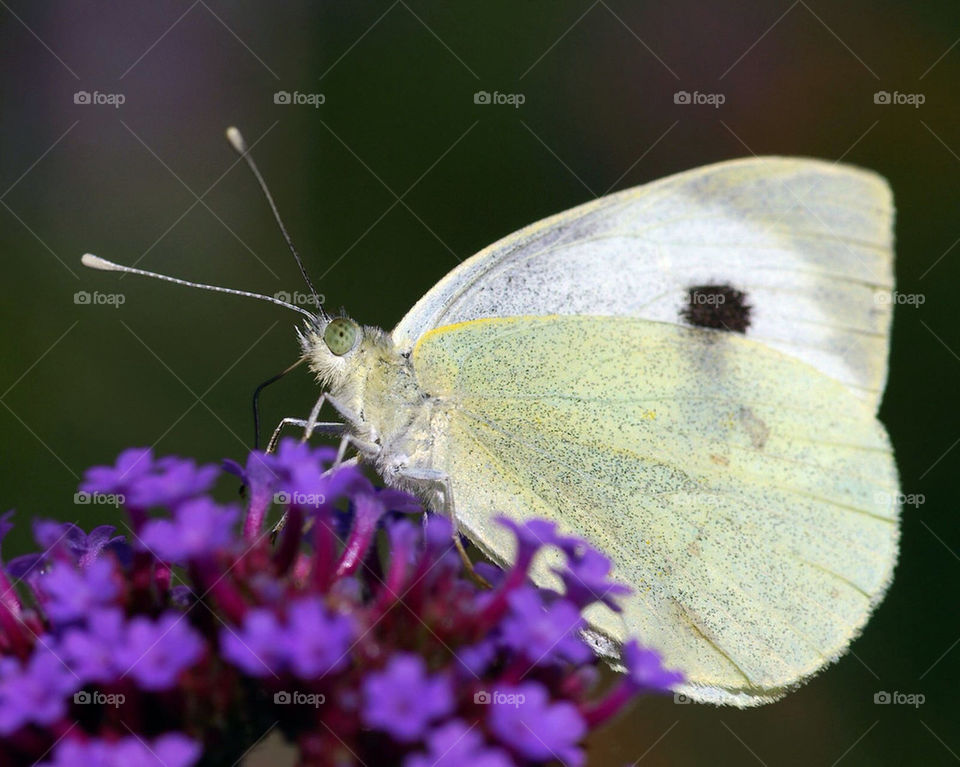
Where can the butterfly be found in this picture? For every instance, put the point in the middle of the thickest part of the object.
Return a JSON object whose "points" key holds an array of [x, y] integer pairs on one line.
{"points": [[686, 374]]}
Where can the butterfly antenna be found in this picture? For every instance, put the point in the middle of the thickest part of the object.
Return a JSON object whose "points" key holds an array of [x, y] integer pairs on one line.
{"points": [[95, 262], [240, 147]]}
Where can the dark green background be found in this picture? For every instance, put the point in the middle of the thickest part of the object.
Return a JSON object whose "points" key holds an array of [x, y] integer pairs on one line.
{"points": [[175, 368]]}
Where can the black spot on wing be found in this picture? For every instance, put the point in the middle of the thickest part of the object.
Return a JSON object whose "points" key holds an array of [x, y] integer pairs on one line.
{"points": [[721, 307]]}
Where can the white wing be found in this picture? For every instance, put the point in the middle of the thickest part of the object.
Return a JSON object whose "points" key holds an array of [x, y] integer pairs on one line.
{"points": [[808, 242]]}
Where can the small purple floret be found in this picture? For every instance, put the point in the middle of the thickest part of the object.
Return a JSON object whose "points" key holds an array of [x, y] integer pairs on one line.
{"points": [[404, 698], [154, 653], [535, 727]]}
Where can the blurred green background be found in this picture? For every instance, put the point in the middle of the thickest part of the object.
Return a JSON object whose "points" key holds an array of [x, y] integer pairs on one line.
{"points": [[399, 175]]}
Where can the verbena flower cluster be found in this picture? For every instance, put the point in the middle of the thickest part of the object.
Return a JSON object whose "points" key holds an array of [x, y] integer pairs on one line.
{"points": [[354, 631]]}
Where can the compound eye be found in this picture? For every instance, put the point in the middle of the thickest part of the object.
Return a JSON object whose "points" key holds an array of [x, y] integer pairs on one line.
{"points": [[341, 335]]}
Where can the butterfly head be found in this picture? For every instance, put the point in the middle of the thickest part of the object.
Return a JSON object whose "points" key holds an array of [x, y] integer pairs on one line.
{"points": [[339, 350]]}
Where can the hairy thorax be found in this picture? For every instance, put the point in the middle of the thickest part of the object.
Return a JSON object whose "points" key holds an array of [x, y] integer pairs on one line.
{"points": [[377, 383]]}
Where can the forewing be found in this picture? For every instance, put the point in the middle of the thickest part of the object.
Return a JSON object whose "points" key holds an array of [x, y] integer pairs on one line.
{"points": [[808, 242], [749, 500]]}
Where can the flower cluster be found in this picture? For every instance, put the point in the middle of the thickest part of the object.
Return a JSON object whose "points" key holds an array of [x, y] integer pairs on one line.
{"points": [[352, 628]]}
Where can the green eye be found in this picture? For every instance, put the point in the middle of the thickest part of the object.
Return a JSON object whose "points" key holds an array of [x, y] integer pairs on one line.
{"points": [[340, 335]]}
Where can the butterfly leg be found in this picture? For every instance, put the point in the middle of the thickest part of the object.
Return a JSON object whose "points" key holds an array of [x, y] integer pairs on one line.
{"points": [[440, 482], [365, 448], [323, 427], [312, 424], [313, 421]]}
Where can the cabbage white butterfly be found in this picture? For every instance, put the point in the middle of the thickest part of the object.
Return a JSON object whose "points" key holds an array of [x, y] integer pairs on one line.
{"points": [[687, 374]]}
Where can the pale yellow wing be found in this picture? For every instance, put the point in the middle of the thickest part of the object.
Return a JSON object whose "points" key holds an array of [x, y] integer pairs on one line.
{"points": [[750, 500]]}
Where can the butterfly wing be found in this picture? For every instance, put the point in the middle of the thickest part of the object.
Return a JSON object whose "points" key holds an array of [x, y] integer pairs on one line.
{"points": [[808, 242], [748, 499]]}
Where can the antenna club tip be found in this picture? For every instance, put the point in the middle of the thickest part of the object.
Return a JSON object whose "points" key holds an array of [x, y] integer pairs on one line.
{"points": [[236, 139], [95, 262]]}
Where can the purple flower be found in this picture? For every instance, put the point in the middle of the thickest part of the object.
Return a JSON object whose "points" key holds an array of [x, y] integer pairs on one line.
{"points": [[70, 594], [171, 481], [284, 611], [72, 752], [454, 744], [318, 640], [543, 634], [302, 471], [175, 750], [490, 573], [65, 541], [404, 698], [293, 456], [25, 567], [155, 652], [36, 692], [404, 503], [298, 467], [171, 750], [90, 651], [404, 537], [82, 547], [477, 658], [585, 577], [531, 536], [438, 542], [645, 669], [8, 595], [199, 527], [130, 466], [259, 647], [367, 513], [536, 728], [437, 533], [145, 482], [260, 481]]}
